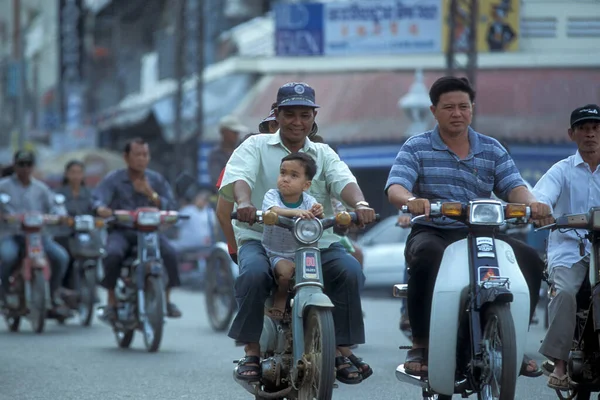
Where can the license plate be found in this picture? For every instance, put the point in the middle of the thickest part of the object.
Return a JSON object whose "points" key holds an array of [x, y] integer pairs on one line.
{"points": [[486, 273], [310, 266]]}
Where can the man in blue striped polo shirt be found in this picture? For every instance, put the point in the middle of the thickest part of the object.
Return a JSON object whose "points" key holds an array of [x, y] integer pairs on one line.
{"points": [[452, 162]]}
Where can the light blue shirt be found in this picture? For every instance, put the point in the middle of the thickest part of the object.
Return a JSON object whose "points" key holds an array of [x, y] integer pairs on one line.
{"points": [[569, 187]]}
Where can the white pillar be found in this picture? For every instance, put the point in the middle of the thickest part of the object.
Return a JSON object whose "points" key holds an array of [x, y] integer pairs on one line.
{"points": [[415, 105]]}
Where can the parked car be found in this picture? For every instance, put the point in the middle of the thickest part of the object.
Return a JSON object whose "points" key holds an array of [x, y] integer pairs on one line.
{"points": [[383, 249]]}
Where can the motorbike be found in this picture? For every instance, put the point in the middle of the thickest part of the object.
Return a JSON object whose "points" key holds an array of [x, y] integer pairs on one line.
{"points": [[87, 251], [29, 292], [583, 365], [480, 307], [219, 279], [298, 352], [140, 287]]}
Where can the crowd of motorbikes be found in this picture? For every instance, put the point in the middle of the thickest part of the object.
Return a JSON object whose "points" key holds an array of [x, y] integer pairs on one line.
{"points": [[480, 302]]}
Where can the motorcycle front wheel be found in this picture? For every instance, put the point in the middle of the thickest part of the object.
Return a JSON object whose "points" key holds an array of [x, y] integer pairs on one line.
{"points": [[37, 307], [87, 288], [501, 344], [319, 350], [218, 290], [152, 328]]}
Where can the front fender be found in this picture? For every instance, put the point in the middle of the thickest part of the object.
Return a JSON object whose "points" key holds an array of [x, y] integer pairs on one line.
{"points": [[306, 299]]}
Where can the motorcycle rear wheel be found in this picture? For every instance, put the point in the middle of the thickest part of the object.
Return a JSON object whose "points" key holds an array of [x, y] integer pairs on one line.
{"points": [[499, 325], [319, 350], [218, 291], [37, 308], [152, 328]]}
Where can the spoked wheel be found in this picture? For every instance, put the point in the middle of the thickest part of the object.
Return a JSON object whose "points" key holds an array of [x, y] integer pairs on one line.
{"points": [[218, 291], [86, 302], [152, 327], [501, 348], [13, 323], [37, 308], [319, 351], [124, 338], [574, 394]]}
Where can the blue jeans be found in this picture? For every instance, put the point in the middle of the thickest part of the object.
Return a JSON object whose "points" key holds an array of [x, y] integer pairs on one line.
{"points": [[343, 279], [10, 251]]}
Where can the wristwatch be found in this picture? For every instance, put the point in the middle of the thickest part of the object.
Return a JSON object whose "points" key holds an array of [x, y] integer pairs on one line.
{"points": [[361, 203]]}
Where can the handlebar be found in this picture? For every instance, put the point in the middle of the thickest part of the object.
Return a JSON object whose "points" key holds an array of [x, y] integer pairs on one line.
{"points": [[571, 221], [342, 219], [512, 213]]}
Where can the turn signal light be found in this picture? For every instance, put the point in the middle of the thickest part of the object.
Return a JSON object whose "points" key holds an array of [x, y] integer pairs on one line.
{"points": [[343, 219], [70, 222], [452, 209], [99, 223], [515, 211], [270, 218]]}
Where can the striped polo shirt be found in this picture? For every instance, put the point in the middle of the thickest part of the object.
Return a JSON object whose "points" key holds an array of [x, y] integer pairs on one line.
{"points": [[429, 169]]}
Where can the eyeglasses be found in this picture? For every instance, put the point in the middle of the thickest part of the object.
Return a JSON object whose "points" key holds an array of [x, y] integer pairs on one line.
{"points": [[24, 164]]}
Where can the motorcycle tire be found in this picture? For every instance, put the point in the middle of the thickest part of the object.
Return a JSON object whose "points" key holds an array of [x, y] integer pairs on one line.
{"points": [[498, 318], [13, 323], [218, 285], [37, 308], [152, 328], [86, 302], [124, 338], [318, 324]]}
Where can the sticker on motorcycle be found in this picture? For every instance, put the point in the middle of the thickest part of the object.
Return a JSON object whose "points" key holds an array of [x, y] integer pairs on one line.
{"points": [[310, 266], [485, 244], [486, 273]]}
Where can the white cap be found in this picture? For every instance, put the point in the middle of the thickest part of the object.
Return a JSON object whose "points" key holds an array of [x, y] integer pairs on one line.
{"points": [[232, 123]]}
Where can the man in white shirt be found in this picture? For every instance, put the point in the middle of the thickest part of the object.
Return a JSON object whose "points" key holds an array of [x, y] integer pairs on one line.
{"points": [[253, 170], [571, 186]]}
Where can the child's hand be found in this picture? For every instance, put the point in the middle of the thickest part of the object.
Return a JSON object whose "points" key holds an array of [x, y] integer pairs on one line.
{"points": [[305, 214], [317, 210]]}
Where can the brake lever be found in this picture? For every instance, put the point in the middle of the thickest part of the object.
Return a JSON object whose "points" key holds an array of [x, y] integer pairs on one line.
{"points": [[542, 228]]}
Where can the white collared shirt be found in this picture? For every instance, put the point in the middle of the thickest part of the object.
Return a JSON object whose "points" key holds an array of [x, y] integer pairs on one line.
{"points": [[569, 187], [257, 162]]}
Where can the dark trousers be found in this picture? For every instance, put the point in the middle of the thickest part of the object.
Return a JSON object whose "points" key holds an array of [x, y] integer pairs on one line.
{"points": [[118, 245], [424, 250], [343, 278]]}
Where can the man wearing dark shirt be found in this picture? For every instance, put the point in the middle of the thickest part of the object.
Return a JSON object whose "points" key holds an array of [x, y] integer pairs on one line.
{"points": [[128, 189]]}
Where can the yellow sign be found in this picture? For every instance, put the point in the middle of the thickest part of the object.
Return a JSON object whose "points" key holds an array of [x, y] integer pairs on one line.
{"points": [[497, 31]]}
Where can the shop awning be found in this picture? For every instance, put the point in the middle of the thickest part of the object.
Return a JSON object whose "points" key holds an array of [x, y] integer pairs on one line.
{"points": [[524, 105]]}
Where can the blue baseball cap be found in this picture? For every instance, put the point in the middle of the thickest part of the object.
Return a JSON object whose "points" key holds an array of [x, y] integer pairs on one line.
{"points": [[296, 94]]}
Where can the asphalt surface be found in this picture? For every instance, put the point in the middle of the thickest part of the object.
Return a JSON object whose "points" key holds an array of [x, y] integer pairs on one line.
{"points": [[72, 362]]}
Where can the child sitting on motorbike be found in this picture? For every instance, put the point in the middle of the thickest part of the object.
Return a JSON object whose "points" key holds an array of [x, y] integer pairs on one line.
{"points": [[288, 200]]}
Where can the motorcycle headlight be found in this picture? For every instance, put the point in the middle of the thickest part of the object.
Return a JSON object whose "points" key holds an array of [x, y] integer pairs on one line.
{"points": [[33, 220], [148, 218], [486, 213], [308, 230], [84, 223]]}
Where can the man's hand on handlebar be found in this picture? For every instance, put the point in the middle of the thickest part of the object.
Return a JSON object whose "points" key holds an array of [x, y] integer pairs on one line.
{"points": [[418, 207], [540, 214], [104, 212], [246, 212], [365, 215]]}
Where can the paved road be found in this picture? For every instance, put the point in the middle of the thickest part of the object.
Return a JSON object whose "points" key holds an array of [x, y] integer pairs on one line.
{"points": [[70, 362]]}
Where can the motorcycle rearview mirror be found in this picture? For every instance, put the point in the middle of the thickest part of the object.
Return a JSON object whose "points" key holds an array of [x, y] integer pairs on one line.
{"points": [[59, 199], [4, 198]]}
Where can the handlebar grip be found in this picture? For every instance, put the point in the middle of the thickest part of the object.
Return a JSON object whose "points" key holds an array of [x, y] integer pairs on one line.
{"points": [[377, 217], [404, 209], [233, 215]]}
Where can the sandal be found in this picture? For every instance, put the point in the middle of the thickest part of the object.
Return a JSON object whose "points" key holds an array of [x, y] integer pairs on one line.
{"points": [[416, 356], [562, 383], [346, 372], [249, 364], [529, 363], [364, 369]]}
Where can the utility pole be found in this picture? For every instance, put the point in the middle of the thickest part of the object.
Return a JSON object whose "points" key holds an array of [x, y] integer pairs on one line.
{"points": [[18, 54], [200, 89], [465, 13], [179, 76]]}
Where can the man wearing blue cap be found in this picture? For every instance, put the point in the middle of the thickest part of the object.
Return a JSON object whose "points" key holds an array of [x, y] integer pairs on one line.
{"points": [[253, 170]]}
